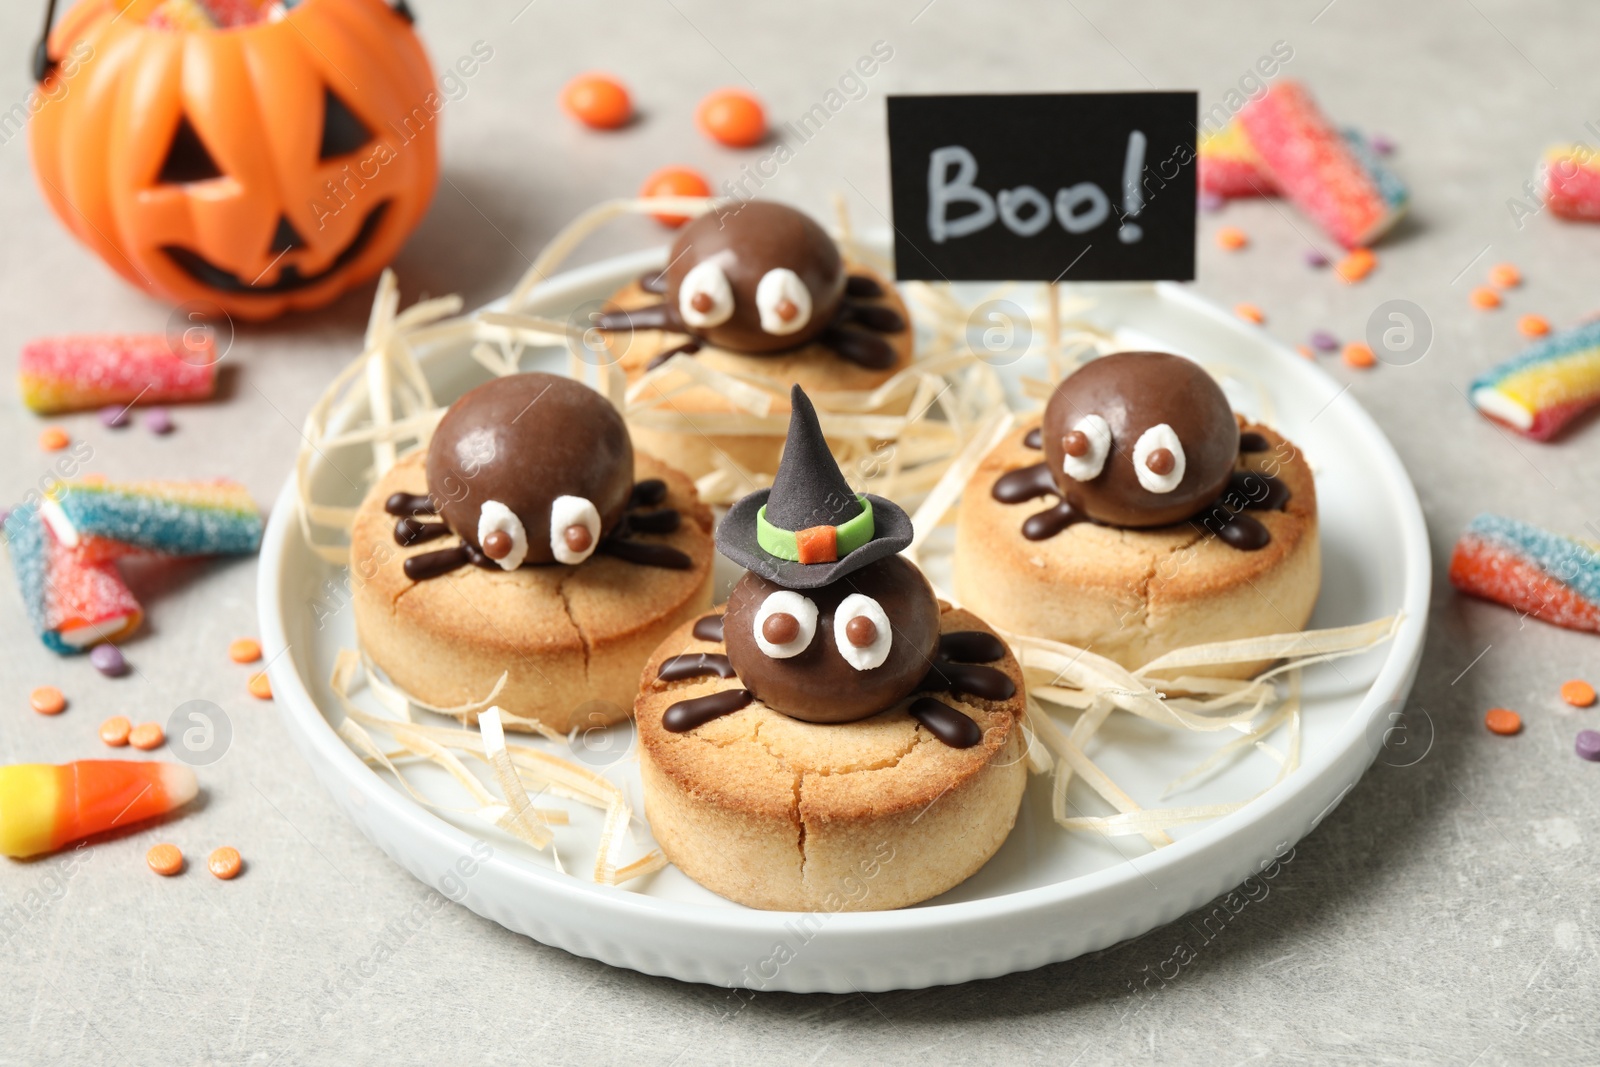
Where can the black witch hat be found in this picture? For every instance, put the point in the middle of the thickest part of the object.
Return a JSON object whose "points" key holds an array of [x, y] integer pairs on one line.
{"points": [[810, 528]]}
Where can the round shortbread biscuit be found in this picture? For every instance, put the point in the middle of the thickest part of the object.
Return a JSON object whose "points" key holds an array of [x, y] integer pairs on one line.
{"points": [[1134, 595], [570, 640], [814, 367], [780, 814]]}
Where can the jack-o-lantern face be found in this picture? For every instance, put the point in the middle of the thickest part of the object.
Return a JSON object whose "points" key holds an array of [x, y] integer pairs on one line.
{"points": [[261, 168]]}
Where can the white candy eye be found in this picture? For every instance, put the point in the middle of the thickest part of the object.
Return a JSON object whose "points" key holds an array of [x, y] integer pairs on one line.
{"points": [[785, 624], [495, 518], [705, 298], [574, 529], [783, 300], [1095, 446], [862, 632], [1158, 459]]}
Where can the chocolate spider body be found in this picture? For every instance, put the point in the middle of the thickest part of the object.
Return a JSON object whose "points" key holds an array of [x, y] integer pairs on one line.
{"points": [[527, 470], [758, 280]]}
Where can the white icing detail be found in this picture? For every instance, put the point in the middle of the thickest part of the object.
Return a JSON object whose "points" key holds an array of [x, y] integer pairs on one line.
{"points": [[1088, 466], [862, 659], [1488, 400], [786, 602], [774, 288], [707, 279], [59, 524], [573, 511], [493, 516], [1159, 436]]}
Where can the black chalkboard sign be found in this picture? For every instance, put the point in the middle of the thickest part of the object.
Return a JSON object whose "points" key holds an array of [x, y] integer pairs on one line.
{"points": [[1044, 187]]}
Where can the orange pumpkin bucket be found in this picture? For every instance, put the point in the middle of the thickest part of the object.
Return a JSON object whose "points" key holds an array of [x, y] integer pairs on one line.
{"points": [[237, 153]]}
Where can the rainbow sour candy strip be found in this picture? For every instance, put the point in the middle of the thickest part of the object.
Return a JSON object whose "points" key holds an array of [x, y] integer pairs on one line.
{"points": [[1228, 166], [57, 374], [73, 602], [1341, 186], [44, 808], [1568, 180], [173, 518], [1547, 386], [1514, 563]]}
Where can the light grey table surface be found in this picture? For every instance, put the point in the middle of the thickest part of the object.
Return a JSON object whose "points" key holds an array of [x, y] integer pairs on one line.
{"points": [[1445, 913]]}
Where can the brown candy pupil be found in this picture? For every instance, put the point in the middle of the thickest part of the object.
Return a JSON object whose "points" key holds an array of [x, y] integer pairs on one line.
{"points": [[577, 537], [1160, 461], [861, 631], [1075, 443], [780, 628], [701, 302], [497, 545], [786, 310]]}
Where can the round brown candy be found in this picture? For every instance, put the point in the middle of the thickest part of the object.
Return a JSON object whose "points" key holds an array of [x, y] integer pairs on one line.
{"points": [[497, 545], [1134, 391], [861, 631], [525, 440], [748, 241], [818, 685]]}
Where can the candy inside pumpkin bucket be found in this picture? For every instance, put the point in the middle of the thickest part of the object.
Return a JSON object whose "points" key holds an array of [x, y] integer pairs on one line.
{"points": [[256, 158]]}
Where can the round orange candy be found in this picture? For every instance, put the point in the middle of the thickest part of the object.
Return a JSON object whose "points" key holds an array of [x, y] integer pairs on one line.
{"points": [[1533, 325], [1505, 276], [1485, 298], [244, 650], [732, 117], [674, 181], [1231, 238], [1503, 721], [260, 687], [147, 735], [47, 700], [166, 860], [1356, 354], [115, 730], [1578, 693], [597, 100], [1250, 313], [224, 862], [54, 439]]}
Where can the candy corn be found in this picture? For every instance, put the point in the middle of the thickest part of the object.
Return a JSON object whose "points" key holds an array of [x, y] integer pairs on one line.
{"points": [[1340, 184], [172, 518], [57, 374], [1568, 180], [74, 601], [1547, 386], [44, 808], [1515, 563]]}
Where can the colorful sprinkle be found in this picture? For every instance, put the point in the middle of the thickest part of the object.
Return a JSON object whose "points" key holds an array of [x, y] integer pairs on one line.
{"points": [[54, 439], [47, 700], [1533, 325], [244, 650], [260, 686], [1315, 258], [1231, 238], [158, 421], [1305, 352], [115, 730], [1505, 276], [146, 736], [108, 660], [1212, 202], [1357, 265], [166, 860], [1358, 355], [1324, 341], [1249, 313], [1588, 745], [732, 117], [598, 101], [1380, 144], [114, 416], [1503, 721], [1485, 298], [224, 862], [1578, 693]]}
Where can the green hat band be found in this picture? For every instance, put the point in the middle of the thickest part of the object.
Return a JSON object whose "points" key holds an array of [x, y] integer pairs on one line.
{"points": [[785, 544]]}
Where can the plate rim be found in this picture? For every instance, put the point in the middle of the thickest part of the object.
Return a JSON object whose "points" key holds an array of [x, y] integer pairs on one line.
{"points": [[315, 735]]}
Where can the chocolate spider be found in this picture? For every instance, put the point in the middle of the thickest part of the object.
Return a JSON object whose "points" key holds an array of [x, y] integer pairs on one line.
{"points": [[762, 279], [533, 469], [1143, 439]]}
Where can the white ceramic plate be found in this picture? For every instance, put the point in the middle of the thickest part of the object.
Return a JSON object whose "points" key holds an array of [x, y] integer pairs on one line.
{"points": [[1047, 895]]}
